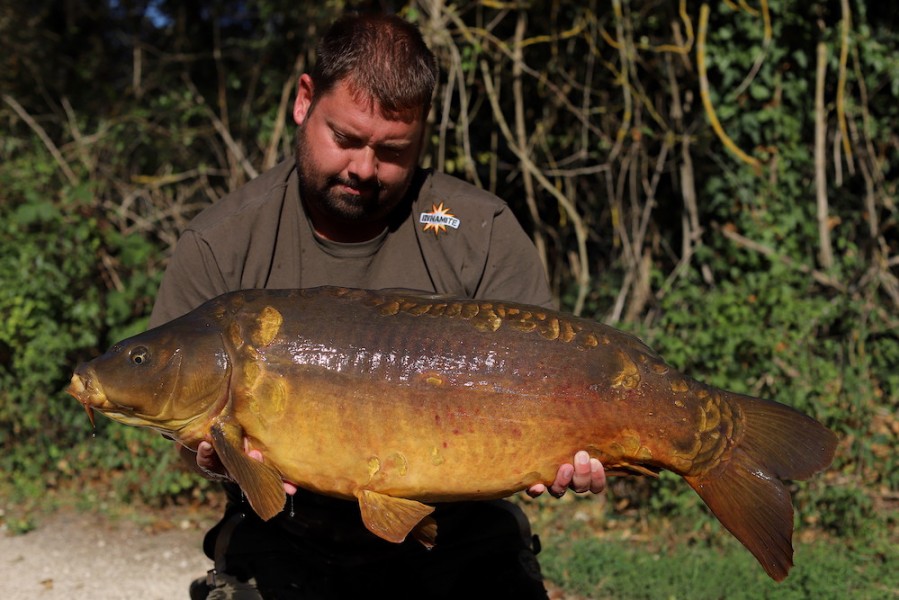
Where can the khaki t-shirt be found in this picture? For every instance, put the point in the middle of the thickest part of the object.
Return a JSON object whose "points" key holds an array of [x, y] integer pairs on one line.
{"points": [[451, 238]]}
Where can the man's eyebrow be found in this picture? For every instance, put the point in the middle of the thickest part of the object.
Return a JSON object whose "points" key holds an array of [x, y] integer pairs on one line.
{"points": [[342, 132], [394, 144]]}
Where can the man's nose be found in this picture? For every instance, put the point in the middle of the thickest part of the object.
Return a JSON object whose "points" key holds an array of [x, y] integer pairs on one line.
{"points": [[364, 164]]}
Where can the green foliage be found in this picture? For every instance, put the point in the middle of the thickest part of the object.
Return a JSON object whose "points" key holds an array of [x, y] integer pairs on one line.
{"points": [[618, 569], [755, 311], [56, 252]]}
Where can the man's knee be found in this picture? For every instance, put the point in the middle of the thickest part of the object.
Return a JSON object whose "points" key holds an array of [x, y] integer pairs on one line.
{"points": [[224, 587]]}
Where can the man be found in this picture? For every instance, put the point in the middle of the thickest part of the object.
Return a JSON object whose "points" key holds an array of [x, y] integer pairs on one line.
{"points": [[354, 209]]}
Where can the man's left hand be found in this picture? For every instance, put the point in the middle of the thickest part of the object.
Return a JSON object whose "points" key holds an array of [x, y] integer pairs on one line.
{"points": [[586, 475]]}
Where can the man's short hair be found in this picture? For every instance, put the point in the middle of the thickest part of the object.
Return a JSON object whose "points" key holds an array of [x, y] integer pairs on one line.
{"points": [[383, 57]]}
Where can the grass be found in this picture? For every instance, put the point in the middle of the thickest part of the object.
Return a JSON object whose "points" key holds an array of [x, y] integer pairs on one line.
{"points": [[620, 569], [587, 554]]}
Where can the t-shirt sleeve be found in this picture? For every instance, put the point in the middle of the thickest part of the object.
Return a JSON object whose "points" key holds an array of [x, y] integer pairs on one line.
{"points": [[513, 270], [191, 278]]}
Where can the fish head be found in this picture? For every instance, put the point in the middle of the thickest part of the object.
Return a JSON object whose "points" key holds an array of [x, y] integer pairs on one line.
{"points": [[173, 379]]}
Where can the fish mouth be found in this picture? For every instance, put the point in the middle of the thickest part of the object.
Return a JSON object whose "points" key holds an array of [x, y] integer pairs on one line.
{"points": [[82, 387], [85, 388]]}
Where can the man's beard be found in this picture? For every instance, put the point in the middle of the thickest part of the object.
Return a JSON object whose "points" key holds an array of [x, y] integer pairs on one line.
{"points": [[372, 202]]}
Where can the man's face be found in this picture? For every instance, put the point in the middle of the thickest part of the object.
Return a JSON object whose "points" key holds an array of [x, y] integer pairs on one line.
{"points": [[355, 164]]}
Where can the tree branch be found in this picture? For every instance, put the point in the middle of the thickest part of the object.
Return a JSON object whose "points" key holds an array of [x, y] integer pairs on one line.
{"points": [[580, 230], [35, 126], [745, 242], [825, 253]]}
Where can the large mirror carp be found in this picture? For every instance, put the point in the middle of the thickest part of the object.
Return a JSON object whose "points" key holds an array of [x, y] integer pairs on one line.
{"points": [[398, 400]]}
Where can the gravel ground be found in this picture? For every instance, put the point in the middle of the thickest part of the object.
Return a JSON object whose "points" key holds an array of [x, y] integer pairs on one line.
{"points": [[81, 555], [73, 555]]}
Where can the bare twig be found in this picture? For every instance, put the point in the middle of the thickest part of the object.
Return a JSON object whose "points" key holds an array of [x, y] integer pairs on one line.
{"points": [[479, 36], [845, 26], [521, 135], [624, 54], [51, 147], [749, 244], [80, 144], [760, 59], [706, 97], [825, 255], [222, 130], [872, 172], [580, 230], [271, 151]]}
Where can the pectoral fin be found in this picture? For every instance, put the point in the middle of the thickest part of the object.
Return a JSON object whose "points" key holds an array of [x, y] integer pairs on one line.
{"points": [[260, 482], [393, 518]]}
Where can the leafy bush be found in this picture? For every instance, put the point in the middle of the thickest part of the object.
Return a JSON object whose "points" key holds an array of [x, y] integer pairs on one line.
{"points": [[55, 248]]}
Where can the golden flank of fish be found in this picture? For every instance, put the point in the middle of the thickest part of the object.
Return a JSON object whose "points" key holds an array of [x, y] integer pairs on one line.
{"points": [[399, 400]]}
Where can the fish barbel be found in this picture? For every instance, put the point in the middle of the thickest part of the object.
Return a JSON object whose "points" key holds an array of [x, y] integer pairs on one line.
{"points": [[400, 399]]}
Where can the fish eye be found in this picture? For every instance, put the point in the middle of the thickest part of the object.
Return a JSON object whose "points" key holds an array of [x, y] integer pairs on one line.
{"points": [[140, 355]]}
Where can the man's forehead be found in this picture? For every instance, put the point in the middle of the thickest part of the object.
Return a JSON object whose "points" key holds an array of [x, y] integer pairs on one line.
{"points": [[341, 112], [349, 90]]}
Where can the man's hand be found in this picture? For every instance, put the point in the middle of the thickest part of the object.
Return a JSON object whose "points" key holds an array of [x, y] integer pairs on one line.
{"points": [[290, 488], [209, 464], [210, 467], [585, 475]]}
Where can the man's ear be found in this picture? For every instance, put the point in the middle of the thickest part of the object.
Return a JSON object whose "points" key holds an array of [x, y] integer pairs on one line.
{"points": [[305, 92]]}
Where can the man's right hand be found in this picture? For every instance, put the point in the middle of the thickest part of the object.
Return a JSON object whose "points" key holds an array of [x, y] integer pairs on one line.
{"points": [[206, 462]]}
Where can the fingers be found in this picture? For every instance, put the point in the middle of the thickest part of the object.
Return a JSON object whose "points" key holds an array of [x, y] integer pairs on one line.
{"points": [[580, 481], [585, 475], [289, 488], [209, 464], [535, 490], [589, 475], [597, 476], [206, 457], [562, 481]]}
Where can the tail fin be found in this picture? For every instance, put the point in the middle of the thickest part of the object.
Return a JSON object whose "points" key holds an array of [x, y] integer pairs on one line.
{"points": [[746, 491]]}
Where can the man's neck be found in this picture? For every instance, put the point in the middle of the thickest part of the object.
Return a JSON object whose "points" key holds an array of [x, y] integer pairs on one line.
{"points": [[343, 232], [348, 233]]}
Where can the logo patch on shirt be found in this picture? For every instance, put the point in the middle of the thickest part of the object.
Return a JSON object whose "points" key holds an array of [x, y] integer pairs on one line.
{"points": [[438, 219]]}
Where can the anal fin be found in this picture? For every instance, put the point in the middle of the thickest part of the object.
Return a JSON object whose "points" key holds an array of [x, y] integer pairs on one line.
{"points": [[393, 518]]}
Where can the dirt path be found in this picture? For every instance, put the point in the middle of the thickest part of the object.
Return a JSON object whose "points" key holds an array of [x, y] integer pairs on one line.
{"points": [[79, 555], [75, 555]]}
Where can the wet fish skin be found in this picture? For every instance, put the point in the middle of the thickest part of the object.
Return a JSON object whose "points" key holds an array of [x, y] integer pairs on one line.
{"points": [[399, 399]]}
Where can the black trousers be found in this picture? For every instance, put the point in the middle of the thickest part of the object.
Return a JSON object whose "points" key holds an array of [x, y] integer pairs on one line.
{"points": [[483, 550]]}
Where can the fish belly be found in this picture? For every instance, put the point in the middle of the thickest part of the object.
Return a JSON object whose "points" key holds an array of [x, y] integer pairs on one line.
{"points": [[440, 408]]}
